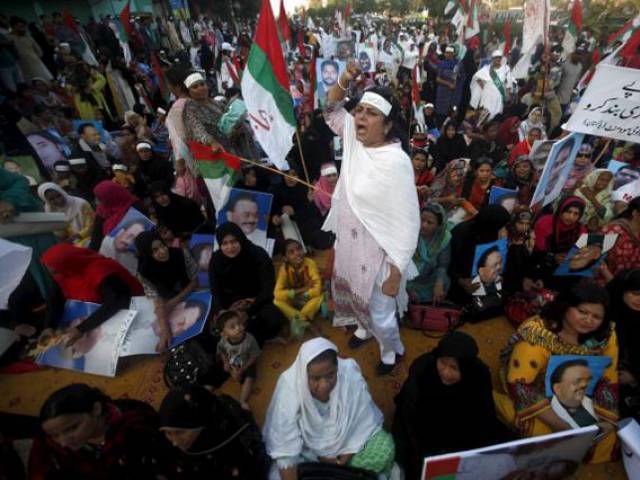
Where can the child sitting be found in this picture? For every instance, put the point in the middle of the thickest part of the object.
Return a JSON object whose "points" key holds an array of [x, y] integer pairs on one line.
{"points": [[298, 293], [238, 350]]}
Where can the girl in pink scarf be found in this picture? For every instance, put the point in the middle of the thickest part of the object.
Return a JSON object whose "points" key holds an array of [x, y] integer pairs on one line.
{"points": [[326, 185]]}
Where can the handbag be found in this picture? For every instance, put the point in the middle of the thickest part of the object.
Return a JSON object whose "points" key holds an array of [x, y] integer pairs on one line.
{"points": [[436, 318], [331, 471]]}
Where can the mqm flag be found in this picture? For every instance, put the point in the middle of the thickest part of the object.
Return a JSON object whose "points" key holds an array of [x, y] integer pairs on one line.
{"points": [[449, 6], [575, 25], [283, 23], [506, 30], [625, 33], [125, 20], [473, 25], [220, 170], [265, 89]]}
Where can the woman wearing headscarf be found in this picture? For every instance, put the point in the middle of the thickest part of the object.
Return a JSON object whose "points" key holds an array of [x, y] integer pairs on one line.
{"points": [[449, 146], [180, 214], [201, 115], [625, 253], [84, 275], [322, 411], [292, 198], [521, 240], [556, 233], [508, 133], [478, 183], [624, 291], [432, 257], [139, 124], [535, 119], [212, 436], [167, 274], [596, 193], [524, 146], [582, 167], [487, 226], [86, 434], [77, 211], [242, 277], [522, 177], [448, 390], [377, 233], [446, 188], [114, 202], [151, 168], [325, 187]]}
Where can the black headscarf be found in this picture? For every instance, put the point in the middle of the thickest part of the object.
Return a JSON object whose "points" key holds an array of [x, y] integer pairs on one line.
{"points": [[448, 149], [248, 275], [155, 169], [182, 216], [295, 197], [433, 418], [627, 320], [169, 277]]}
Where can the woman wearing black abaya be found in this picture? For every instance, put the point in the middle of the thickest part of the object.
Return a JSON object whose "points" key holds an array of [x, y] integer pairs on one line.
{"points": [[485, 227], [624, 291], [242, 278], [450, 146], [180, 214], [445, 405]]}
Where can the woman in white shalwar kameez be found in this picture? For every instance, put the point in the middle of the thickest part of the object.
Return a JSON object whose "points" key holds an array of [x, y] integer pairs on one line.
{"points": [[322, 411], [491, 86], [375, 216]]}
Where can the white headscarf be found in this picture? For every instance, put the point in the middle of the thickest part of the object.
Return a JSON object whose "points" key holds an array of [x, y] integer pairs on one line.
{"points": [[294, 424], [72, 209]]}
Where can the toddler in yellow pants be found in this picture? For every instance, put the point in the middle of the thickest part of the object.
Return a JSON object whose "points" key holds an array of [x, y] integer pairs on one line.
{"points": [[298, 293]]}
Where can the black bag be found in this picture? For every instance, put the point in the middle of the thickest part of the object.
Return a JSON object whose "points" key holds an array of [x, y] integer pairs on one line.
{"points": [[330, 471], [189, 363]]}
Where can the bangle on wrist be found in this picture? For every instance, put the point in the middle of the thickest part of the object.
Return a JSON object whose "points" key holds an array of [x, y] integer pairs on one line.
{"points": [[341, 87]]}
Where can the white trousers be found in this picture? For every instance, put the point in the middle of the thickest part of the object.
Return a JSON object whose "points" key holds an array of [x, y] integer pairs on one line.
{"points": [[383, 326]]}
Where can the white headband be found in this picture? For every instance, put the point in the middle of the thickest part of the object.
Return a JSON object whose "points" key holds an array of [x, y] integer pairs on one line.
{"points": [[193, 78], [143, 146], [119, 166], [77, 161], [61, 168], [161, 111], [378, 101], [328, 171]]}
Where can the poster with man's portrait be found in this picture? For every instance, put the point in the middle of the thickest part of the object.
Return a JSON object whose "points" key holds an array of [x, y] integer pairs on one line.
{"points": [[49, 147], [124, 235], [586, 255], [27, 166], [624, 173], [556, 170], [488, 266], [366, 58], [250, 211], [201, 247], [346, 49], [327, 73], [570, 383], [95, 352], [505, 197], [540, 152]]}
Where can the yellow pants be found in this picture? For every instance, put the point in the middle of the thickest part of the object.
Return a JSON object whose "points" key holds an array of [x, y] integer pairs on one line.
{"points": [[307, 312], [507, 414]]}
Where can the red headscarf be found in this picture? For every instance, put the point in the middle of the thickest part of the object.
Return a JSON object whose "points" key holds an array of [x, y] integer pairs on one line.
{"points": [[80, 271], [113, 202], [505, 135], [552, 235]]}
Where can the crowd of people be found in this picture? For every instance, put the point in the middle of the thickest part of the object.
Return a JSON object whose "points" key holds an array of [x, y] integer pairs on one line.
{"points": [[403, 168]]}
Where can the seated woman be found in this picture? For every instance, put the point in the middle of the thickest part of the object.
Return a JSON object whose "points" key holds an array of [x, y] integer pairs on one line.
{"points": [[624, 290], [521, 241], [180, 214], [298, 292], [77, 211], [556, 234], [242, 277], [596, 193], [292, 198], [432, 257], [168, 275], [424, 171], [82, 274], [322, 411], [151, 168], [522, 177], [478, 183], [524, 147], [582, 167], [86, 434], [450, 145], [535, 119], [448, 391], [574, 324], [212, 436], [447, 186], [625, 253], [254, 179], [326, 184], [487, 226]]}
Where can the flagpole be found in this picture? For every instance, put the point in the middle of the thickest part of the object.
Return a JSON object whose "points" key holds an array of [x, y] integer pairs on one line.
{"points": [[304, 165], [279, 172]]}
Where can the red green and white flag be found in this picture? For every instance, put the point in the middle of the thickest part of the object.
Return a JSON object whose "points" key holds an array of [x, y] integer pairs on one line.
{"points": [[265, 89], [220, 170], [573, 29]]}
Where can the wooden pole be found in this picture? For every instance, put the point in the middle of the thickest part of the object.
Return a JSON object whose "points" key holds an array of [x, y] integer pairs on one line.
{"points": [[275, 170], [602, 152], [304, 165]]}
